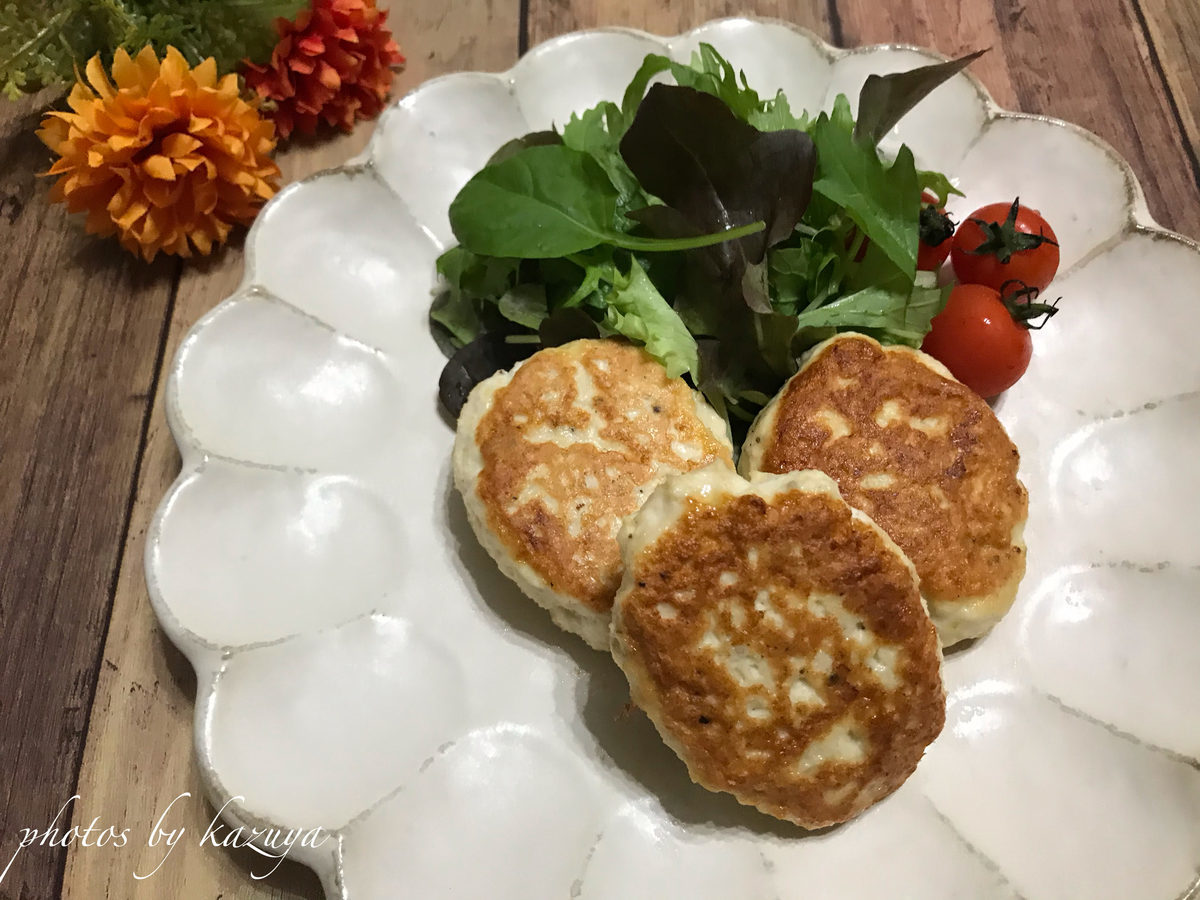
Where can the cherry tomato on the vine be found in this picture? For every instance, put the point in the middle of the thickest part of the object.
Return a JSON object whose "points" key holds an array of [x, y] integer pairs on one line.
{"points": [[937, 232], [1004, 243], [982, 339]]}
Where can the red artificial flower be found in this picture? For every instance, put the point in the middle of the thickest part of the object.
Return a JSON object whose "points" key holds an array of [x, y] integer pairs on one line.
{"points": [[334, 62]]}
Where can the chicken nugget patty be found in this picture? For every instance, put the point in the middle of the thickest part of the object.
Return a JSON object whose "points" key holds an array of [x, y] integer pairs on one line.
{"points": [[920, 453], [550, 456], [777, 639]]}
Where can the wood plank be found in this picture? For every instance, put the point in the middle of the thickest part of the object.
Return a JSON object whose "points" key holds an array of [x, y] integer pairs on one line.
{"points": [[949, 27], [550, 17], [1174, 31], [139, 754], [1096, 71], [80, 326]]}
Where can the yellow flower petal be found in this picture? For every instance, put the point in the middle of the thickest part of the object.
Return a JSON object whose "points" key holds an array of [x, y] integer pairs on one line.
{"points": [[187, 163], [227, 87], [206, 153], [162, 194], [176, 145], [120, 201], [81, 95], [135, 211], [125, 71], [125, 141], [205, 74], [159, 166], [147, 61], [99, 78], [206, 198], [202, 241], [112, 121], [150, 230], [173, 68]]}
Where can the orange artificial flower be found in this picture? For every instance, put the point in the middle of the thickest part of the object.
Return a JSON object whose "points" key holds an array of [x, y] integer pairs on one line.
{"points": [[169, 157], [333, 63]]}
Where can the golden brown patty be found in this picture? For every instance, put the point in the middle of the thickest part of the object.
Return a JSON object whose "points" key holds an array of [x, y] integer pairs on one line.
{"points": [[778, 641], [551, 456], [920, 453]]}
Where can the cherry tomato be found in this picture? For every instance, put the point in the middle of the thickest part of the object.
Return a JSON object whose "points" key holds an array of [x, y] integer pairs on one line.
{"points": [[937, 230], [1002, 243], [979, 341]]}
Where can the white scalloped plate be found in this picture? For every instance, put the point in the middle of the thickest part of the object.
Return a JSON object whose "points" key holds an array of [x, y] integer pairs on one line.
{"points": [[363, 667]]}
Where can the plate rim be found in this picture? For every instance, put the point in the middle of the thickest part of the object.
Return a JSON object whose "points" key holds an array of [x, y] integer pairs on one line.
{"points": [[207, 658]]}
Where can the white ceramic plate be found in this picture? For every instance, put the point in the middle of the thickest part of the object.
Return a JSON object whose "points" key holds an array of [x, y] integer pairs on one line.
{"points": [[362, 666]]}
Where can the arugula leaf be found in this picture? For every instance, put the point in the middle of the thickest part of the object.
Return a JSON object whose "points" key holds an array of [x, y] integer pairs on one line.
{"points": [[637, 310], [712, 74], [597, 132], [806, 275], [653, 64], [588, 286], [552, 201], [885, 99], [926, 300], [938, 185], [776, 114], [884, 201], [902, 318]]}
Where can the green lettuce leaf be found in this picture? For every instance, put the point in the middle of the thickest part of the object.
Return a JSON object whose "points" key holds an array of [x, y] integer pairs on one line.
{"points": [[551, 201], [898, 317], [598, 132], [639, 312], [883, 200], [525, 305]]}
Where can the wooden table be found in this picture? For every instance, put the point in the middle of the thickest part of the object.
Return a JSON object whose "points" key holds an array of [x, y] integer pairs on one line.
{"points": [[93, 700]]}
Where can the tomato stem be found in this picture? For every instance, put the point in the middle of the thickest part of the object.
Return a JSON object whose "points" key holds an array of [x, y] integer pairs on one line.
{"points": [[1021, 306], [936, 226], [1002, 239]]}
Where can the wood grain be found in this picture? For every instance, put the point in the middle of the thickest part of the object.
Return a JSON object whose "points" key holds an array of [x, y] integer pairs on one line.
{"points": [[80, 327], [550, 17], [1174, 29], [951, 28], [139, 755], [1096, 71]]}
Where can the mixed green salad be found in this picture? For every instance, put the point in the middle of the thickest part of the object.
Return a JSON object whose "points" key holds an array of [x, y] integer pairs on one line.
{"points": [[724, 231]]}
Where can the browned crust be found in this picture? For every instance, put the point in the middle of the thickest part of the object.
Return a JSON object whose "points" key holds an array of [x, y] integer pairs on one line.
{"points": [[806, 543], [962, 546], [586, 567]]}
